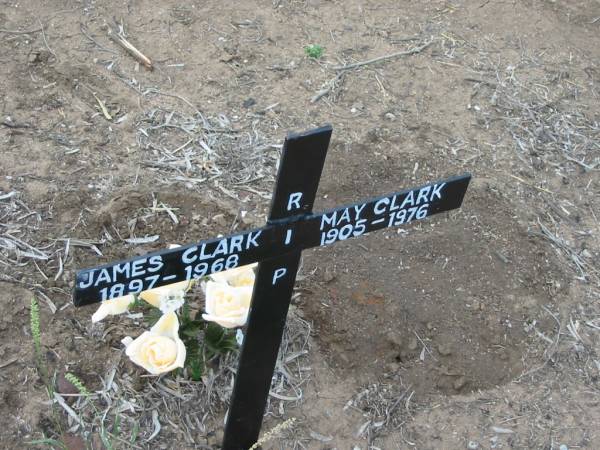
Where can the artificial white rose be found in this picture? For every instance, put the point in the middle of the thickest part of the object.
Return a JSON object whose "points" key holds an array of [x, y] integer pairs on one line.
{"points": [[227, 305], [167, 298], [113, 307], [240, 276], [159, 350]]}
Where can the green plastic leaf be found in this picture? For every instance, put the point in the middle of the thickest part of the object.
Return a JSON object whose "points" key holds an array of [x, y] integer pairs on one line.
{"points": [[218, 340]]}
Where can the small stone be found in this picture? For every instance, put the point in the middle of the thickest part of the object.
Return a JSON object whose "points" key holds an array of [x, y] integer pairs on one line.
{"points": [[248, 219], [249, 102], [394, 339], [586, 253], [412, 344], [444, 349], [38, 57], [473, 445], [459, 383], [219, 219], [389, 116], [430, 326], [329, 275], [392, 367]]}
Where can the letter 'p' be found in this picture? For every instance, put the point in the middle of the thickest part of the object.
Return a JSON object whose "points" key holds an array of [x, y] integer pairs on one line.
{"points": [[278, 274]]}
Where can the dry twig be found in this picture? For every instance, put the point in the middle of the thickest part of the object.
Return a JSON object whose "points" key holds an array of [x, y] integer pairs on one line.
{"points": [[412, 51], [332, 84], [119, 38]]}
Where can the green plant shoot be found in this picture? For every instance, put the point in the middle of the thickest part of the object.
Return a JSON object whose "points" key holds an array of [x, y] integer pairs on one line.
{"points": [[314, 51]]}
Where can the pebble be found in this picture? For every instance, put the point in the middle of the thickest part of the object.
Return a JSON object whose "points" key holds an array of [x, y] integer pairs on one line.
{"points": [[459, 383], [473, 445], [394, 339], [444, 350], [392, 367], [219, 219], [249, 102], [248, 219], [390, 116], [412, 344], [329, 274]]}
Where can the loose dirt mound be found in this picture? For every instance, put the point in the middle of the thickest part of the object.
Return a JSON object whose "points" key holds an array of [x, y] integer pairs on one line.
{"points": [[446, 305]]}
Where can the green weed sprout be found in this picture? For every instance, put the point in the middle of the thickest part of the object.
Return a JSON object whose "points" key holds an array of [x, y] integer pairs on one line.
{"points": [[78, 384], [36, 335], [35, 327], [108, 437], [314, 51]]}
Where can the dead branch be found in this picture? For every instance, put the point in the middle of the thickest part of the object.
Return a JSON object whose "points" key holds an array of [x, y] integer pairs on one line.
{"points": [[412, 51], [329, 87], [118, 38], [343, 70]]}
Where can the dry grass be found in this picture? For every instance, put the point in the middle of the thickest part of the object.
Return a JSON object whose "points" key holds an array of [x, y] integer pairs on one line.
{"points": [[196, 150], [17, 221], [171, 408], [385, 408]]}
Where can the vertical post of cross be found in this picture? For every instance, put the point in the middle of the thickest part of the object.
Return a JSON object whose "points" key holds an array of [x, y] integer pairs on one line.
{"points": [[298, 178]]}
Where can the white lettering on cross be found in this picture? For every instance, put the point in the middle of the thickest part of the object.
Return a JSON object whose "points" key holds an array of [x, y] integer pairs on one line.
{"points": [[294, 201], [278, 274], [436, 192], [288, 237]]}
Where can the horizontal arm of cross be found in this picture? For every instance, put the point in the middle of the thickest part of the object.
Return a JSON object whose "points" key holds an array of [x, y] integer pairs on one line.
{"points": [[295, 233]]}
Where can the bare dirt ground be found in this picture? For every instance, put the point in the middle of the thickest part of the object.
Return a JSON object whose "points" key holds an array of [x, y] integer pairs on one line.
{"points": [[475, 329]]}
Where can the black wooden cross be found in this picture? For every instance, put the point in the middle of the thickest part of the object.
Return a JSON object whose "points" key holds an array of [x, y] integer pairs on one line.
{"points": [[291, 228]]}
